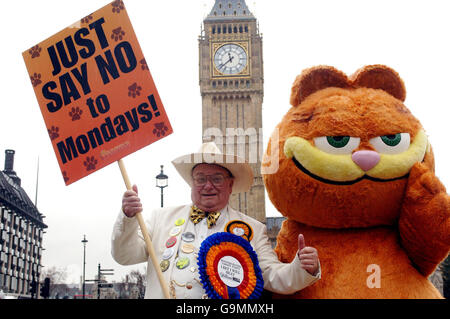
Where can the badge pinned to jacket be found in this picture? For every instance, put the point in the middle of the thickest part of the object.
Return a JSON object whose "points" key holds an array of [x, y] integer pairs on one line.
{"points": [[240, 228]]}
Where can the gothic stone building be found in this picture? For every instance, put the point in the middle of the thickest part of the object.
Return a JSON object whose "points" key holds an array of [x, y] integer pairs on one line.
{"points": [[21, 231], [231, 85]]}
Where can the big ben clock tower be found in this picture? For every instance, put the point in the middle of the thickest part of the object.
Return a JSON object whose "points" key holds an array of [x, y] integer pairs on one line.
{"points": [[231, 86]]}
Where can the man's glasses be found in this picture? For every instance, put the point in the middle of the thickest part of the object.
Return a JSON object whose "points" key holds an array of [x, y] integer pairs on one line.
{"points": [[216, 179]]}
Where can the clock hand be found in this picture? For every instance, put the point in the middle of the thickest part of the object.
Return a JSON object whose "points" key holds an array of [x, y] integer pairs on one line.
{"points": [[229, 60], [223, 64]]}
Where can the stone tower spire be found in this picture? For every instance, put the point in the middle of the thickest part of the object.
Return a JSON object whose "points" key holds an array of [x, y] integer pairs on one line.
{"points": [[226, 9]]}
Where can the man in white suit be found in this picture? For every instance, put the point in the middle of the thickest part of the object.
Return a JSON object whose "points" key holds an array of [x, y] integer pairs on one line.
{"points": [[177, 232]]}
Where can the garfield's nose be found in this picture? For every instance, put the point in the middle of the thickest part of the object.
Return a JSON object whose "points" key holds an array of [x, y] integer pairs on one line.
{"points": [[366, 159]]}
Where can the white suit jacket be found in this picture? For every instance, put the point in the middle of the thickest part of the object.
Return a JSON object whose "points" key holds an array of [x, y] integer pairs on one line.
{"points": [[128, 248]]}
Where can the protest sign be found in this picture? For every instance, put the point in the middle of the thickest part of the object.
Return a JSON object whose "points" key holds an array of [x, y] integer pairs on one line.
{"points": [[97, 97], [96, 93]]}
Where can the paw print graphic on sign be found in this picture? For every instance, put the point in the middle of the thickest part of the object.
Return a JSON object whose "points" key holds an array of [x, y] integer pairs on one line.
{"points": [[36, 79], [134, 90], [117, 34], [35, 51], [160, 129], [144, 65], [53, 132], [87, 19], [66, 178], [90, 163], [117, 6], [75, 113]]}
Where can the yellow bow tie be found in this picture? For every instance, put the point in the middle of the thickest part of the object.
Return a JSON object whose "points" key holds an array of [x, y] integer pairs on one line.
{"points": [[197, 215]]}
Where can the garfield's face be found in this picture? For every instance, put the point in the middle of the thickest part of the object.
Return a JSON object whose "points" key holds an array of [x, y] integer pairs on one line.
{"points": [[345, 155], [355, 136]]}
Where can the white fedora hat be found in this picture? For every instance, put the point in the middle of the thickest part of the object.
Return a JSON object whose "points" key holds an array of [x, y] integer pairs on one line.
{"points": [[209, 153]]}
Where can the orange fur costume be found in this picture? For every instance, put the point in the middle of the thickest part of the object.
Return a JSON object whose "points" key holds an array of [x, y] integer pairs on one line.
{"points": [[356, 177]]}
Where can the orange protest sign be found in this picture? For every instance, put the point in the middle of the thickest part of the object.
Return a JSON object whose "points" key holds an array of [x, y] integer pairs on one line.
{"points": [[95, 92]]}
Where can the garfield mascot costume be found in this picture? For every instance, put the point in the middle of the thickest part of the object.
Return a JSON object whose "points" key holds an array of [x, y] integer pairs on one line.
{"points": [[356, 177]]}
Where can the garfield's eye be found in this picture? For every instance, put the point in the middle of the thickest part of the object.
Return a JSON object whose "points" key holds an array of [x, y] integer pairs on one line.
{"points": [[391, 140], [391, 144], [338, 141], [337, 144]]}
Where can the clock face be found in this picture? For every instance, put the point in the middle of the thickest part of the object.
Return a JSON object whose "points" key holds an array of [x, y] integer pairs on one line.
{"points": [[230, 59]]}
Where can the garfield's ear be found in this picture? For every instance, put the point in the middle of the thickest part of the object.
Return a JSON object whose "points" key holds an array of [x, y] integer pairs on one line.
{"points": [[315, 79], [380, 77]]}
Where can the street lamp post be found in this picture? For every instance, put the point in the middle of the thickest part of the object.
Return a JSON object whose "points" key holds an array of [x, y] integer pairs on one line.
{"points": [[84, 241], [162, 182]]}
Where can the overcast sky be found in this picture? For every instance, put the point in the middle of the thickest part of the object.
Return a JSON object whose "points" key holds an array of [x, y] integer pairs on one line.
{"points": [[410, 36]]}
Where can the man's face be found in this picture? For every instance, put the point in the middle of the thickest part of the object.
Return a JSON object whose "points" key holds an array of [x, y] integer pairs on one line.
{"points": [[211, 188]]}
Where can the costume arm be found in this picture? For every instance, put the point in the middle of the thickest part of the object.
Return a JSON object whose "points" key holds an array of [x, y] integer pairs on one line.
{"points": [[424, 221], [128, 245], [279, 277]]}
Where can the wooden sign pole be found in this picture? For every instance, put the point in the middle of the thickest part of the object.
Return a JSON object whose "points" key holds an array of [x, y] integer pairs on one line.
{"points": [[148, 242]]}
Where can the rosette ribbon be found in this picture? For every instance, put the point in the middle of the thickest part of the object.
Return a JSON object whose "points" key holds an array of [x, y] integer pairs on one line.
{"points": [[225, 246]]}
